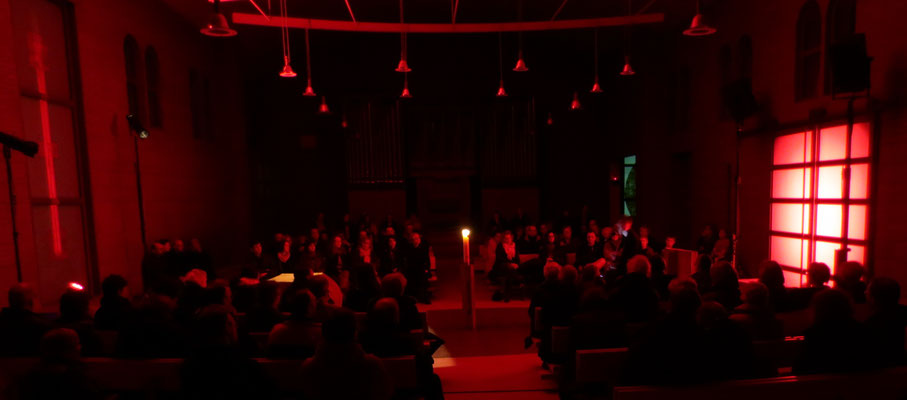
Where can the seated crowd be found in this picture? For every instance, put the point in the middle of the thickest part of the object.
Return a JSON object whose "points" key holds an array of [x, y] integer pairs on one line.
{"points": [[699, 328], [219, 326]]}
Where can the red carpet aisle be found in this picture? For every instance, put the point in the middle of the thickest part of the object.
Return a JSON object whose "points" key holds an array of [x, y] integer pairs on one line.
{"points": [[489, 363]]}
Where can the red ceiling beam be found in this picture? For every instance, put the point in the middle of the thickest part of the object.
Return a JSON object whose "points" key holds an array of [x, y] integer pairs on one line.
{"points": [[394, 27]]}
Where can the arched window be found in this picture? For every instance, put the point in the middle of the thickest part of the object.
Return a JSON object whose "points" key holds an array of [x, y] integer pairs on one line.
{"points": [[745, 49], [131, 59], [841, 21], [152, 80], [809, 51]]}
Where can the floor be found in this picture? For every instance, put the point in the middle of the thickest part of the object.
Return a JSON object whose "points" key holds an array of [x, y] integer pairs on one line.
{"points": [[489, 362]]}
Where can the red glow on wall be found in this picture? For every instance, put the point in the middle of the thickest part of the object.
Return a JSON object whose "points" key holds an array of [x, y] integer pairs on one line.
{"points": [[820, 197], [36, 59]]}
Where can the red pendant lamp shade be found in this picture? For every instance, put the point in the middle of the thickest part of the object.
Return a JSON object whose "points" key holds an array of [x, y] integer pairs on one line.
{"points": [[575, 105], [628, 69], [698, 27], [595, 87], [217, 25], [323, 108], [520, 65], [402, 66], [287, 71], [550, 120], [309, 92], [405, 94], [501, 91]]}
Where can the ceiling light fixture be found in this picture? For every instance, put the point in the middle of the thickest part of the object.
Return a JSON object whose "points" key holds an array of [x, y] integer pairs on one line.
{"points": [[501, 91], [402, 66], [627, 70], [595, 87], [323, 108], [308, 68], [697, 26], [287, 70], [575, 105], [405, 94], [520, 64], [217, 24]]}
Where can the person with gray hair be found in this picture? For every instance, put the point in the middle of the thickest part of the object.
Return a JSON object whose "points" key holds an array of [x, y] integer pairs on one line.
{"points": [[20, 328]]}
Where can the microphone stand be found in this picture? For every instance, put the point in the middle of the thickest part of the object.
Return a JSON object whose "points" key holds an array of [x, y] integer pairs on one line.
{"points": [[138, 184], [7, 156]]}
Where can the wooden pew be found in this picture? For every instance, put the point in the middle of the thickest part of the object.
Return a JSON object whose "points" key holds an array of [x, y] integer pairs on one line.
{"points": [[162, 375], [605, 365], [881, 384]]}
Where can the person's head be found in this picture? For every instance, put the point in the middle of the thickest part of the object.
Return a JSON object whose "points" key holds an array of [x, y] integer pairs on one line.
{"points": [[670, 242], [197, 276], [215, 327], [590, 238], [386, 312], [320, 286], [178, 245], [567, 232], [568, 275], [684, 298], [286, 246], [552, 272], [302, 305], [849, 273], [607, 231], [337, 242], [392, 242], [416, 237], [393, 284], [755, 295], [195, 245], [551, 238], [74, 305], [723, 276], [498, 237], [771, 274], [644, 231], [639, 264], [315, 234], [166, 244], [255, 248], [268, 294], [532, 231], [644, 242], [544, 230], [311, 247], [340, 327], [832, 305], [158, 248], [707, 231], [883, 293], [21, 296], [626, 224], [389, 231], [60, 345], [818, 274], [722, 234], [508, 237], [114, 286], [711, 314]]}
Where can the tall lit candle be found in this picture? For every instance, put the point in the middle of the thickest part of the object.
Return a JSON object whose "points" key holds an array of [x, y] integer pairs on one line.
{"points": [[465, 233]]}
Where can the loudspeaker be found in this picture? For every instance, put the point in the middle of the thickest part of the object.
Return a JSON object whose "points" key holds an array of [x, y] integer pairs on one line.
{"points": [[739, 99], [850, 65]]}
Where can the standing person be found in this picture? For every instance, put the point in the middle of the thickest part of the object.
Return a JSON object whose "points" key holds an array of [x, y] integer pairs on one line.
{"points": [[417, 267], [506, 266]]}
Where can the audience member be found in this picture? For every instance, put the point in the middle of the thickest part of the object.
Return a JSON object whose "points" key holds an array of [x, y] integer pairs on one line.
{"points": [[728, 351], [74, 315], [417, 268], [772, 276], [725, 288], [115, 307], [506, 266], [887, 323], [590, 251], [20, 328], [596, 325], [756, 315], [340, 369], [60, 373], [817, 276], [264, 314], [394, 286], [835, 342], [635, 295], [297, 336], [849, 278], [216, 368]]}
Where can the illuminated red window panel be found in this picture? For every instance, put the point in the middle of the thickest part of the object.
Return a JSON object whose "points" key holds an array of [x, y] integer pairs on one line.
{"points": [[859, 181], [820, 197], [790, 218], [856, 228], [792, 183], [793, 149]]}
